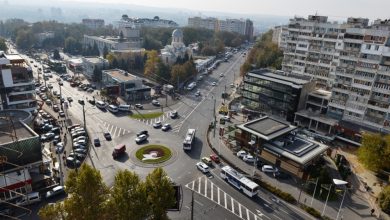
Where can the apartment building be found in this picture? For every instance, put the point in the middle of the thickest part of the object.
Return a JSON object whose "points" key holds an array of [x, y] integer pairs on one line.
{"points": [[240, 26], [279, 36], [311, 46], [17, 87], [93, 23], [275, 92], [361, 92], [155, 22], [208, 23]]}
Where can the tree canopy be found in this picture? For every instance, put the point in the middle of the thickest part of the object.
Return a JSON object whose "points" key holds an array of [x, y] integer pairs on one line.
{"points": [[265, 54], [384, 199], [130, 197], [374, 152], [3, 45]]}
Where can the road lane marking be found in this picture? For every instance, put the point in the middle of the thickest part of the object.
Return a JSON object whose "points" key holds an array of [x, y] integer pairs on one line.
{"points": [[247, 215], [225, 201], [199, 185], [212, 189], [239, 210], [219, 201], [276, 216], [205, 188], [198, 202], [120, 131], [232, 200]]}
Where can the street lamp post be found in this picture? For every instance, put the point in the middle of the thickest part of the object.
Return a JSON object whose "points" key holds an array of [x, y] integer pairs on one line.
{"points": [[341, 182], [60, 96], [336, 182]]}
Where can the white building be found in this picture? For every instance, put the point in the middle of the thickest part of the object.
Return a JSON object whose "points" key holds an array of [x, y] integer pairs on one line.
{"points": [[176, 49], [155, 22], [17, 89], [112, 43], [279, 36], [93, 23], [240, 26], [92, 63]]}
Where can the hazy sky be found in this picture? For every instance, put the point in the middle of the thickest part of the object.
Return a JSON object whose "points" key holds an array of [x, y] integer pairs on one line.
{"points": [[337, 9]]}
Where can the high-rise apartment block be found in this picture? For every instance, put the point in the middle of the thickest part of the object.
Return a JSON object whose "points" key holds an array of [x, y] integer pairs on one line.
{"points": [[17, 87], [351, 60], [241, 26]]}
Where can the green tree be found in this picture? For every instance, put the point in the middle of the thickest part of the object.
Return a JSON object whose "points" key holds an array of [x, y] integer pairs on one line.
{"points": [[72, 46], [3, 45], [128, 197], [56, 54], [105, 52], [88, 194], [52, 211], [163, 73], [374, 152], [384, 199], [161, 194], [25, 39], [151, 63]]}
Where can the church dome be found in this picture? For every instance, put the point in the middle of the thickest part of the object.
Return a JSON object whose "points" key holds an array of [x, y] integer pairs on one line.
{"points": [[177, 33]]}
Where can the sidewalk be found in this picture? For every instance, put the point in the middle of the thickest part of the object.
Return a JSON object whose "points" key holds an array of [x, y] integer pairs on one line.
{"points": [[353, 204]]}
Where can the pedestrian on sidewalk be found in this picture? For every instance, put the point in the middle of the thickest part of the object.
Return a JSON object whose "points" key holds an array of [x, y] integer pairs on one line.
{"points": [[372, 211]]}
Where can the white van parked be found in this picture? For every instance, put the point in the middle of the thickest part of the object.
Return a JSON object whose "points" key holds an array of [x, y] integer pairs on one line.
{"points": [[113, 108], [29, 199], [101, 104], [125, 108]]}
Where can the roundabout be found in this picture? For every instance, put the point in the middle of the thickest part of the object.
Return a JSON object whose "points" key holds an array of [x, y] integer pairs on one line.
{"points": [[153, 154]]}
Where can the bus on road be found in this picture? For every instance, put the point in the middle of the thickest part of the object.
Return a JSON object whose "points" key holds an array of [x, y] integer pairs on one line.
{"points": [[239, 181], [189, 139]]}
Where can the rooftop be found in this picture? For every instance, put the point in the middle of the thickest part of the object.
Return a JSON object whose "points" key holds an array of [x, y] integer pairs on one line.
{"points": [[120, 75], [320, 93], [296, 147], [293, 80], [14, 58], [94, 60], [18, 118], [267, 128]]}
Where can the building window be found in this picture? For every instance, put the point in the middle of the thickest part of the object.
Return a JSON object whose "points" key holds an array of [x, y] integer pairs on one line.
{"points": [[376, 47], [368, 46]]}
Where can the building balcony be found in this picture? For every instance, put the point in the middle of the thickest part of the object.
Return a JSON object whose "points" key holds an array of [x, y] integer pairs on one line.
{"points": [[341, 90], [361, 86], [374, 120], [377, 107], [354, 41], [337, 104]]}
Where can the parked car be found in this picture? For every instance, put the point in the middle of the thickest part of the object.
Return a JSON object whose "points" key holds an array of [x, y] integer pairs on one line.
{"points": [[241, 153], [215, 158], [202, 167], [269, 169], [61, 113], [58, 190], [107, 135], [79, 138], [60, 148], [248, 158], [80, 151], [29, 199], [207, 161], [214, 84], [145, 132], [56, 139], [166, 127], [141, 138], [56, 108], [139, 106], [47, 136], [96, 142], [157, 124]]}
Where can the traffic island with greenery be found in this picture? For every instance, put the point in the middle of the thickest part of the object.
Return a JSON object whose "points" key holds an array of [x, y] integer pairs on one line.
{"points": [[129, 198], [158, 153], [146, 115]]}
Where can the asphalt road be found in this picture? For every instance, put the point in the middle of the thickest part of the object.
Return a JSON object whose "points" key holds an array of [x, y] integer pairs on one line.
{"points": [[194, 112]]}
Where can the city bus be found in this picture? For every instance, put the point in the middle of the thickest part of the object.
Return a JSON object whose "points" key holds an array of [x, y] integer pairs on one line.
{"points": [[239, 181], [189, 139]]}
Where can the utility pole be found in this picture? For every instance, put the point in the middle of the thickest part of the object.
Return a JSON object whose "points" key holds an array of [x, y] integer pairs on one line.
{"points": [[60, 96], [215, 117], [224, 95], [192, 206]]}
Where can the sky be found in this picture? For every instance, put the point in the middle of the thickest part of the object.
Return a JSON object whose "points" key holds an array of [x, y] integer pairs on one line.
{"points": [[336, 9]]}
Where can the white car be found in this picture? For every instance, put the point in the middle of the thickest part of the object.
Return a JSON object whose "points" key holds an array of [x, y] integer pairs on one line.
{"points": [[141, 138], [221, 75], [214, 84], [269, 169], [157, 124], [226, 118], [55, 191], [155, 102], [241, 153], [202, 167], [80, 138], [248, 158]]}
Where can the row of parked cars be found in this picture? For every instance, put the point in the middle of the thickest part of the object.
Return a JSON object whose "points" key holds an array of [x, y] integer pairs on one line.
{"points": [[79, 146], [247, 157], [206, 162], [35, 197]]}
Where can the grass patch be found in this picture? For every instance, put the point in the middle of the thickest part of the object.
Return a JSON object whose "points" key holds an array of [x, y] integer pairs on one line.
{"points": [[163, 152], [146, 115]]}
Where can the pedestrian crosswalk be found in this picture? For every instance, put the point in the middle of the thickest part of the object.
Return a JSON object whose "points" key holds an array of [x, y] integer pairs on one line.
{"points": [[115, 131], [208, 189]]}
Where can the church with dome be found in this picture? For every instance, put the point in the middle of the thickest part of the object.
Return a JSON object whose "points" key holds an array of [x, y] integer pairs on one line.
{"points": [[177, 49]]}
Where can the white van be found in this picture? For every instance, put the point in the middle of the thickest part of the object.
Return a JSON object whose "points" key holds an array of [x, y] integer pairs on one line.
{"points": [[101, 104], [125, 108], [29, 199], [113, 108]]}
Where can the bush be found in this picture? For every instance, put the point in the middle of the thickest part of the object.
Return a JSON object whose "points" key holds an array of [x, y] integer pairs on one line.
{"points": [[283, 195], [384, 199], [311, 211]]}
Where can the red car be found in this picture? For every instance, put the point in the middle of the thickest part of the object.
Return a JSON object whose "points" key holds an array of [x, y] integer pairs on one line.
{"points": [[214, 158]]}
